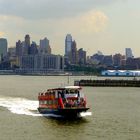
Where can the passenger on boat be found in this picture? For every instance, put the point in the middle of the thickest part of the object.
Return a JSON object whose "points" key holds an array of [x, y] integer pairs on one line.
{"points": [[75, 103], [65, 102], [68, 103], [82, 103], [71, 103]]}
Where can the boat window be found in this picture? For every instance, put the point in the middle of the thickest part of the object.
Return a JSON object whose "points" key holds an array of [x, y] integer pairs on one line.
{"points": [[67, 92], [77, 91], [72, 91], [52, 95], [46, 102], [49, 94], [55, 102], [56, 95], [50, 102], [53, 92], [41, 102]]}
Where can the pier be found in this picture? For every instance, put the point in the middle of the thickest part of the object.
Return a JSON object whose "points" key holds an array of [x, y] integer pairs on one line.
{"points": [[108, 83]]}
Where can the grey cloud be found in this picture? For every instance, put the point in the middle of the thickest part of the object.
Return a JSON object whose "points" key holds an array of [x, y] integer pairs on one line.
{"points": [[40, 9]]}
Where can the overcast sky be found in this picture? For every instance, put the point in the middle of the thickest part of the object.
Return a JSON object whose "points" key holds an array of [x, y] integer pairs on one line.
{"points": [[106, 25]]}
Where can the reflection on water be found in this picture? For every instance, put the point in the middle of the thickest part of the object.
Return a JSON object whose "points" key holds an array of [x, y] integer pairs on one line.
{"points": [[66, 128], [68, 121]]}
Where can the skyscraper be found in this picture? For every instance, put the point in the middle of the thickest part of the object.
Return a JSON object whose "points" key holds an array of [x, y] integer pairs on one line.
{"points": [[45, 46], [81, 56], [3, 47], [44, 43], [128, 53], [33, 49], [18, 48], [26, 45], [68, 44], [27, 40], [73, 55]]}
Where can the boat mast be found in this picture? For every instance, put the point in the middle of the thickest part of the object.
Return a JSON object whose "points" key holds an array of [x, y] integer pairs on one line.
{"points": [[68, 79]]}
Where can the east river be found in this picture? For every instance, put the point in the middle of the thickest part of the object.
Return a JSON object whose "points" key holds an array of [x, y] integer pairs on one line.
{"points": [[114, 113]]}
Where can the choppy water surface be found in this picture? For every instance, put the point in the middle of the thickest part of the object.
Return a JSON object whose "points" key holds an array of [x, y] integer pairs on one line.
{"points": [[114, 113]]}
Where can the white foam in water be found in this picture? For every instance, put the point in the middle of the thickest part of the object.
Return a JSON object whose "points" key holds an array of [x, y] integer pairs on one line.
{"points": [[26, 107], [84, 114], [22, 106], [19, 105]]}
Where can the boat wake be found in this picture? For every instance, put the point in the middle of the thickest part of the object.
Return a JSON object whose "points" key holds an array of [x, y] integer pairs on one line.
{"points": [[84, 114], [24, 106]]}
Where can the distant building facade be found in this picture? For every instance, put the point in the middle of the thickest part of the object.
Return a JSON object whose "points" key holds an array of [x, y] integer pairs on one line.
{"points": [[96, 59], [44, 46], [118, 60], [128, 53], [33, 50], [68, 49], [68, 44], [132, 63], [82, 57], [108, 60], [18, 48], [26, 45], [73, 54], [40, 63], [120, 73], [3, 47]]}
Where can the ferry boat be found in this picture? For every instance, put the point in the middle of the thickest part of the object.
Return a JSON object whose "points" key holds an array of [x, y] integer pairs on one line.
{"points": [[67, 102]]}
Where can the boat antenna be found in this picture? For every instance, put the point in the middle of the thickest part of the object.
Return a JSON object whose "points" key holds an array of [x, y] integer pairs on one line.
{"points": [[68, 79]]}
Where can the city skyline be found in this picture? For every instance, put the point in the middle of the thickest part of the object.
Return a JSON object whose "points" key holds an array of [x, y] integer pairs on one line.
{"points": [[109, 26], [43, 46], [30, 57]]}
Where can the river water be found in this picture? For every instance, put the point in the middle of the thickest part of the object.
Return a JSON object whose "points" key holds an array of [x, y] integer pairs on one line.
{"points": [[114, 113]]}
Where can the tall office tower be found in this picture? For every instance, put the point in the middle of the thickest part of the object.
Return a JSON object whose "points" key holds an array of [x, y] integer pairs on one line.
{"points": [[27, 40], [26, 45], [33, 49], [128, 53], [3, 47], [45, 46], [81, 56], [73, 55], [18, 48], [68, 44]]}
